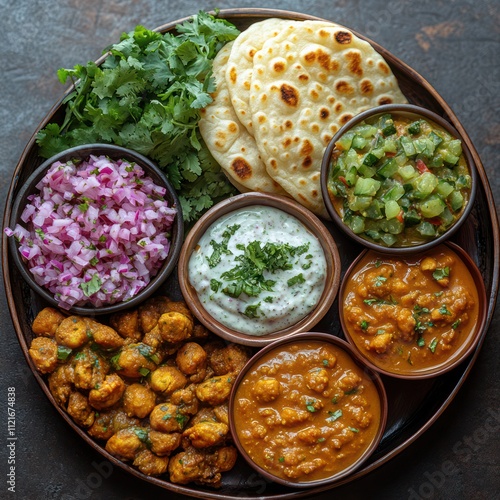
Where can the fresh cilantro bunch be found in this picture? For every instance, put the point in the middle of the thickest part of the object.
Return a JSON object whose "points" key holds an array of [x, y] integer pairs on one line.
{"points": [[147, 96]]}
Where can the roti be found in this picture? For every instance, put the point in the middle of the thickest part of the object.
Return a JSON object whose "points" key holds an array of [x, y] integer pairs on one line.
{"points": [[228, 141], [308, 81], [240, 65]]}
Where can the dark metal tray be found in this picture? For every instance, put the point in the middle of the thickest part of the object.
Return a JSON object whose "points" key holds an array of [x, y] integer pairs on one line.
{"points": [[413, 406]]}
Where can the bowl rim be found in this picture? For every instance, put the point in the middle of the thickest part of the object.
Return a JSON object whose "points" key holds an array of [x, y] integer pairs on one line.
{"points": [[465, 348], [408, 109], [367, 370], [113, 151], [308, 219]]}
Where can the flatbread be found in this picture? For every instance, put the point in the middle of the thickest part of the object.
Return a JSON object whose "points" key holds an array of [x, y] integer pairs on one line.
{"points": [[230, 144], [240, 65], [308, 81]]}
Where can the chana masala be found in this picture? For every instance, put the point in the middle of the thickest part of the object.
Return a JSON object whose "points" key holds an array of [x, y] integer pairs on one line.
{"points": [[410, 314], [305, 411]]}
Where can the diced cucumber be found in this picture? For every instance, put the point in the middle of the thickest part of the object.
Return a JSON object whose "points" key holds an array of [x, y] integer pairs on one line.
{"points": [[337, 188], [425, 184], [390, 183], [366, 171], [366, 130], [455, 147], [432, 206], [401, 158], [370, 159], [444, 188], [351, 176], [426, 229], [366, 187], [344, 143], [435, 138], [407, 145], [374, 235], [388, 168], [412, 218], [388, 239], [404, 202], [358, 203], [392, 209], [352, 159], [359, 142], [390, 146], [394, 193], [463, 181], [447, 217], [357, 224], [407, 172], [424, 146], [456, 200], [415, 127], [374, 211], [393, 226], [378, 151], [389, 129], [447, 174], [448, 156], [436, 161]]}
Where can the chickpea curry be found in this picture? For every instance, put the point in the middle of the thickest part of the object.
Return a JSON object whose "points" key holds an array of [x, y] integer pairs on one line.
{"points": [[306, 411], [410, 314], [152, 386]]}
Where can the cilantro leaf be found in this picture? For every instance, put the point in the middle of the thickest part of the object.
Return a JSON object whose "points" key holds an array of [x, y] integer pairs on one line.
{"points": [[92, 286], [441, 273]]}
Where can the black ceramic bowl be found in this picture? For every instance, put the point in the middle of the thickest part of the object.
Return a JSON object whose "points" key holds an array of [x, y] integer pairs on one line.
{"points": [[404, 111], [114, 153]]}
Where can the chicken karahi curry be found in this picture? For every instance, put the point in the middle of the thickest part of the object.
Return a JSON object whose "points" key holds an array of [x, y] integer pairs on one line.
{"points": [[410, 314], [153, 385]]}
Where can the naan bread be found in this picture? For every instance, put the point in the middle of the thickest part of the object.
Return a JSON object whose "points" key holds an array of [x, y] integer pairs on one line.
{"points": [[230, 144], [240, 65], [308, 81]]}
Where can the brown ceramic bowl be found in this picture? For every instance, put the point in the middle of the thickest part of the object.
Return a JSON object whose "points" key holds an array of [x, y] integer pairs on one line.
{"points": [[115, 153], [312, 224], [333, 203], [442, 332], [325, 412]]}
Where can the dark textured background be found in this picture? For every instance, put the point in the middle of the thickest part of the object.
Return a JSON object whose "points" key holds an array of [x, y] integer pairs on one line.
{"points": [[453, 44]]}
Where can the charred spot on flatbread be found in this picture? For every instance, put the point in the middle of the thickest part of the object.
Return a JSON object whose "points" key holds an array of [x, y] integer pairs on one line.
{"points": [[354, 63], [385, 100], [242, 169], [344, 87], [324, 113], [343, 37], [366, 87], [289, 95]]}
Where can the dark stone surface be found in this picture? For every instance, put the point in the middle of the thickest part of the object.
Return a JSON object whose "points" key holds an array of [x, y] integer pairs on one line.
{"points": [[453, 44]]}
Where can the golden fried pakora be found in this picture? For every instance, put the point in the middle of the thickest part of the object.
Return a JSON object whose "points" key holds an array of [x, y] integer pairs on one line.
{"points": [[152, 384]]}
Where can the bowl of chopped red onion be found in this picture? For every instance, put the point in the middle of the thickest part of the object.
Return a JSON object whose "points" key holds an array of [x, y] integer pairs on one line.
{"points": [[96, 229]]}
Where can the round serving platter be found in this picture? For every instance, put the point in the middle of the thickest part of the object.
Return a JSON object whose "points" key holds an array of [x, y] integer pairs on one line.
{"points": [[413, 406]]}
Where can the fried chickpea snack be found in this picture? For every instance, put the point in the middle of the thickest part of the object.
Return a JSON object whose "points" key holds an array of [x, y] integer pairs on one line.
{"points": [[151, 384]]}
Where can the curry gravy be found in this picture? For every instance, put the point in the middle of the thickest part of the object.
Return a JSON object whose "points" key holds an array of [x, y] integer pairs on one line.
{"points": [[407, 314], [306, 411]]}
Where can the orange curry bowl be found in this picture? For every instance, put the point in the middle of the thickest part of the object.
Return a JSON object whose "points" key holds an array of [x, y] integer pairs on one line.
{"points": [[307, 411], [413, 316]]}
